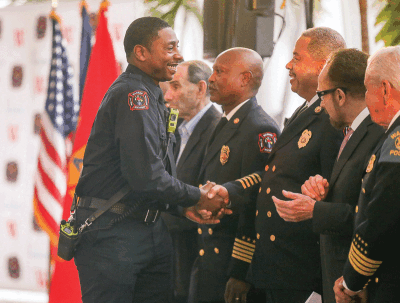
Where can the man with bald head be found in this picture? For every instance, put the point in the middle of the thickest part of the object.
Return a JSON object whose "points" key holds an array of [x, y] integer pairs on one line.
{"points": [[373, 262], [285, 263], [240, 144]]}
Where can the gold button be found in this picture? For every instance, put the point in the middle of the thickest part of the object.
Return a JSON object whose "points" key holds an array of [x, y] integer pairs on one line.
{"points": [[248, 239], [272, 238], [376, 280], [201, 253], [266, 168], [363, 190], [268, 190], [357, 209], [243, 237], [269, 214], [273, 168], [258, 236], [216, 250], [210, 231], [199, 231], [236, 121], [259, 189], [257, 213]]}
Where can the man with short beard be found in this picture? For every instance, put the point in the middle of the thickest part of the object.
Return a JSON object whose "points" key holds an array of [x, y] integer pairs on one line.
{"points": [[331, 206]]}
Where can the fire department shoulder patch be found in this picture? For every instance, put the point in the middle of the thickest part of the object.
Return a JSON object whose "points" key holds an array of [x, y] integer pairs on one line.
{"points": [[266, 142], [138, 100]]}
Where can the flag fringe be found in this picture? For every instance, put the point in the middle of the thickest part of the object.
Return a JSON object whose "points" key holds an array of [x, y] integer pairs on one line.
{"points": [[53, 15], [104, 6], [83, 4]]}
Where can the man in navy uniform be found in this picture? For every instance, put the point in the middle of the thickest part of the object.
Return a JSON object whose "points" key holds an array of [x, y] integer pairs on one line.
{"points": [[240, 145], [188, 92], [331, 210], [285, 264], [373, 262], [129, 146]]}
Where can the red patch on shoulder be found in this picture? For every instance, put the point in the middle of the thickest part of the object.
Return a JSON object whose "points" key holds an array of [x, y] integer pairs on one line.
{"points": [[266, 142], [138, 100]]}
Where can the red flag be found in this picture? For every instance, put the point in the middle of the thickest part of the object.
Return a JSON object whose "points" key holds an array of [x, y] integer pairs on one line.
{"points": [[102, 71]]}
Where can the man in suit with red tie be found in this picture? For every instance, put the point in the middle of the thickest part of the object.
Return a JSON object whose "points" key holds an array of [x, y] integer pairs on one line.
{"points": [[331, 206], [188, 92], [373, 262]]}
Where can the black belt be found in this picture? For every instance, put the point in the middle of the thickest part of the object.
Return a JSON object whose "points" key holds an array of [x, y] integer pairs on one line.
{"points": [[146, 216]]}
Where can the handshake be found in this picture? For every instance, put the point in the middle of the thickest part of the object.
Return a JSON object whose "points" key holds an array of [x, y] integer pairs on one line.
{"points": [[212, 205]]}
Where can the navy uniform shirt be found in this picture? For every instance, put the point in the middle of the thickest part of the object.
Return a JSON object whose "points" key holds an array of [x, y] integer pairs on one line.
{"points": [[127, 144]]}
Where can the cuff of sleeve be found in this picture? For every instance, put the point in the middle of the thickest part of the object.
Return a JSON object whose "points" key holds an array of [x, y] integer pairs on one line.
{"points": [[238, 269], [345, 286], [193, 196]]}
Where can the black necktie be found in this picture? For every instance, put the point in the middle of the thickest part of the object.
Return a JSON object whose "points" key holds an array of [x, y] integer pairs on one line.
{"points": [[218, 128], [299, 111]]}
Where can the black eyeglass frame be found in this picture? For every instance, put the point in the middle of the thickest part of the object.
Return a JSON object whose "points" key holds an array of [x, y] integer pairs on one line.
{"points": [[322, 93]]}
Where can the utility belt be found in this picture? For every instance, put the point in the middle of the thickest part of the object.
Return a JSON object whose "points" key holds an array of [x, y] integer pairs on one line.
{"points": [[147, 216]]}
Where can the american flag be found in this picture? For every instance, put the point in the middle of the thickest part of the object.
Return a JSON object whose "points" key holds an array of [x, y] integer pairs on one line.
{"points": [[58, 120]]}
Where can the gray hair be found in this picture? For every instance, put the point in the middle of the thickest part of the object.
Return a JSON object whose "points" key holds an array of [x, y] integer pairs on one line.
{"points": [[198, 71], [324, 41], [385, 65]]}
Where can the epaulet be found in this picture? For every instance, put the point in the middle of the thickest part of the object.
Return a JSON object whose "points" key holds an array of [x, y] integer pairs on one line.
{"points": [[391, 148]]}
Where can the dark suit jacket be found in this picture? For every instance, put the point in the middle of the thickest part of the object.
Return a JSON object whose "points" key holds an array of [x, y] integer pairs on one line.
{"points": [[373, 259], [244, 153], [188, 167], [287, 254], [333, 218]]}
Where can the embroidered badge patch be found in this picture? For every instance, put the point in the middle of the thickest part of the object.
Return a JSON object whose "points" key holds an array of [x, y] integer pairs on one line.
{"points": [[391, 148], [138, 100], [224, 154], [305, 138], [371, 164], [266, 141]]}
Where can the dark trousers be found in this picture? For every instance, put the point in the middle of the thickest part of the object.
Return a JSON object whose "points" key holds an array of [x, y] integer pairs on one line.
{"points": [[185, 252], [286, 295], [128, 263]]}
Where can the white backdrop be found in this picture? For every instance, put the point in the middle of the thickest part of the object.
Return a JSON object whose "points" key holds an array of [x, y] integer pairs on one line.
{"points": [[24, 253]]}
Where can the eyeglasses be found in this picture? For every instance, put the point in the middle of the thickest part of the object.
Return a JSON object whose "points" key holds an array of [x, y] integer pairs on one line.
{"points": [[322, 93]]}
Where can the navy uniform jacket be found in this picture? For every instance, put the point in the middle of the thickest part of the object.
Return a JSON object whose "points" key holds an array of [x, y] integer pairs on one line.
{"points": [[128, 145], [241, 147], [373, 259], [333, 218], [287, 254]]}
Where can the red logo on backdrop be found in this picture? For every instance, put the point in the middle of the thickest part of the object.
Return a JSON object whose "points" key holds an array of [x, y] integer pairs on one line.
{"points": [[38, 124], [12, 171], [41, 278], [13, 268], [117, 31], [35, 225], [138, 100], [67, 33], [17, 76], [19, 36], [39, 85], [41, 27], [13, 132], [12, 228]]}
